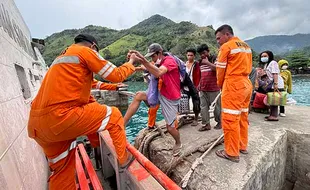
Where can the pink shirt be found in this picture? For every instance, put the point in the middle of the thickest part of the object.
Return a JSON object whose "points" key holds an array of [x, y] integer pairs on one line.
{"points": [[171, 88]]}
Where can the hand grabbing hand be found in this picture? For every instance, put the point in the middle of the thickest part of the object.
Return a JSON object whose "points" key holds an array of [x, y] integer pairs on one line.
{"points": [[140, 68]]}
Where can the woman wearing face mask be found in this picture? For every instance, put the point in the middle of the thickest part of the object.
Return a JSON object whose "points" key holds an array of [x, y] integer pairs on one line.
{"points": [[287, 79], [272, 70]]}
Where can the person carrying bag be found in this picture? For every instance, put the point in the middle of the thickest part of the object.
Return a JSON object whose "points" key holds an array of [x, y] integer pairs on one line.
{"points": [[277, 98]]}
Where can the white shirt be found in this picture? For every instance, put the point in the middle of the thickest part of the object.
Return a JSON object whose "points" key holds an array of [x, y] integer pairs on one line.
{"points": [[273, 68]]}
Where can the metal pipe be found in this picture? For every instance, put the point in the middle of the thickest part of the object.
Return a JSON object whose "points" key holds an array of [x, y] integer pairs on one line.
{"points": [[162, 178]]}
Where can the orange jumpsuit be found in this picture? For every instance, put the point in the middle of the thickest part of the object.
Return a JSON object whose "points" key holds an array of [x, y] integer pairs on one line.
{"points": [[64, 110], [233, 67], [152, 116], [103, 85]]}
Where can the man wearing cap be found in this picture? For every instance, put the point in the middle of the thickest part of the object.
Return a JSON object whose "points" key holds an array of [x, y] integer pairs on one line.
{"points": [[170, 92], [64, 110]]}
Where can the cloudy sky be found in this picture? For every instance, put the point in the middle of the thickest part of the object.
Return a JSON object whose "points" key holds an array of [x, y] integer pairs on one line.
{"points": [[249, 18]]}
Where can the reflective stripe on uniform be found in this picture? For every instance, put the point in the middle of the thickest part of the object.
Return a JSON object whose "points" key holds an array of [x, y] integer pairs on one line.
{"points": [[106, 119], [220, 64], [239, 50], [109, 71], [104, 69], [98, 85], [99, 56], [230, 111], [63, 155], [245, 110], [66, 59]]}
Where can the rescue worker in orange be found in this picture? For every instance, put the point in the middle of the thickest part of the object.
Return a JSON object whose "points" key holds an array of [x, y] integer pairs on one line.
{"points": [[64, 110], [233, 67]]}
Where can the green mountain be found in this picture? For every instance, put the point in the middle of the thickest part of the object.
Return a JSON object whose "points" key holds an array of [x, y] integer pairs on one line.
{"points": [[279, 44], [114, 44]]}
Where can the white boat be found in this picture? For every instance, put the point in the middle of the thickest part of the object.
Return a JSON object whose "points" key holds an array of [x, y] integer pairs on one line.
{"points": [[22, 67]]}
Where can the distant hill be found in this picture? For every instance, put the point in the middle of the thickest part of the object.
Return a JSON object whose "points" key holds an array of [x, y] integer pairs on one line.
{"points": [[114, 44], [279, 44]]}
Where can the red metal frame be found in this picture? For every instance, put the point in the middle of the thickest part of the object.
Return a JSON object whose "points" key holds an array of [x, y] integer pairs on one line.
{"points": [[89, 168], [162, 178], [83, 183]]}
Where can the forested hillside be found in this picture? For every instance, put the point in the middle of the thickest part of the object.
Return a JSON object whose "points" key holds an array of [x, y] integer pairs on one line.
{"points": [[114, 44]]}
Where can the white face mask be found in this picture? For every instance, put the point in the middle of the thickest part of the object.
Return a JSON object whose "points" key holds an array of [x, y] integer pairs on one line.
{"points": [[264, 59], [284, 67], [158, 61]]}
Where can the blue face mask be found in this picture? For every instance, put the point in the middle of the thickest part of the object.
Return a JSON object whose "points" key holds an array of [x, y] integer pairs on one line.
{"points": [[264, 59]]}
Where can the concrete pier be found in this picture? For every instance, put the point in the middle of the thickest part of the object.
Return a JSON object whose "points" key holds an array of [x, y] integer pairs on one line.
{"points": [[111, 98], [279, 155]]}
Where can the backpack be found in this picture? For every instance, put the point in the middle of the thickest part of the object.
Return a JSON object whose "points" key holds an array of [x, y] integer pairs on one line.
{"points": [[181, 65], [184, 77]]}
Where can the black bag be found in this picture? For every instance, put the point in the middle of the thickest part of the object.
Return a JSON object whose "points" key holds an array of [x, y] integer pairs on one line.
{"points": [[192, 92]]}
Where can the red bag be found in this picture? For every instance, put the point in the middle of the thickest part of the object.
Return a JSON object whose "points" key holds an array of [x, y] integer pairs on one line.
{"points": [[259, 101]]}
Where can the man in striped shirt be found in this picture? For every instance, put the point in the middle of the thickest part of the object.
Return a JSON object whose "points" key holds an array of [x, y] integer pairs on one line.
{"points": [[208, 89]]}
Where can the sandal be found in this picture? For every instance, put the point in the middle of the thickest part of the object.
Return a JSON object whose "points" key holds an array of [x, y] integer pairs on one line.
{"points": [[244, 152], [269, 118], [194, 123], [205, 127], [128, 162], [177, 151], [218, 126], [222, 154]]}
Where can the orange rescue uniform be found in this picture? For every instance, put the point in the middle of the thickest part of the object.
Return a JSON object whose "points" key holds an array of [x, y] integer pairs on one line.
{"points": [[103, 85], [64, 110], [233, 67]]}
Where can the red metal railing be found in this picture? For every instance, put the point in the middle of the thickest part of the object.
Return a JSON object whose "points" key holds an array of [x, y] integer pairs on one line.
{"points": [[83, 181], [162, 178]]}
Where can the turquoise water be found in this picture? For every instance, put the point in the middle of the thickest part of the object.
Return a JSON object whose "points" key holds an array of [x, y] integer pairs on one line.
{"points": [[139, 120], [301, 88]]}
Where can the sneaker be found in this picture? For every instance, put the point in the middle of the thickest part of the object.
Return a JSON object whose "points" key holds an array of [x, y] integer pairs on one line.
{"points": [[282, 115]]}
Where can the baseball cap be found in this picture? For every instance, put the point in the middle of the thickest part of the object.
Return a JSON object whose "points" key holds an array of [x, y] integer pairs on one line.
{"points": [[88, 38], [153, 48]]}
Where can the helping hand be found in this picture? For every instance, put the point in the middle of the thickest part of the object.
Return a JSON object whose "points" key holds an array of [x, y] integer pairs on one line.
{"points": [[140, 68], [138, 54]]}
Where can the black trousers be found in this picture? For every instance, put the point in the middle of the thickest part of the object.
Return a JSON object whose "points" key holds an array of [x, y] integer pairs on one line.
{"points": [[282, 109]]}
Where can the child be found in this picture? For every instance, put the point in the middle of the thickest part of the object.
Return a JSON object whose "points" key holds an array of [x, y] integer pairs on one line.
{"points": [[287, 78]]}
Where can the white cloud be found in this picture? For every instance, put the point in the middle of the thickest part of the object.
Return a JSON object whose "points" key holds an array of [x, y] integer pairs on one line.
{"points": [[249, 18]]}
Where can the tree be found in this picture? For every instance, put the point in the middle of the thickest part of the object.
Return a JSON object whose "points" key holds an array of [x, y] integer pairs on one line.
{"points": [[106, 54], [298, 59]]}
